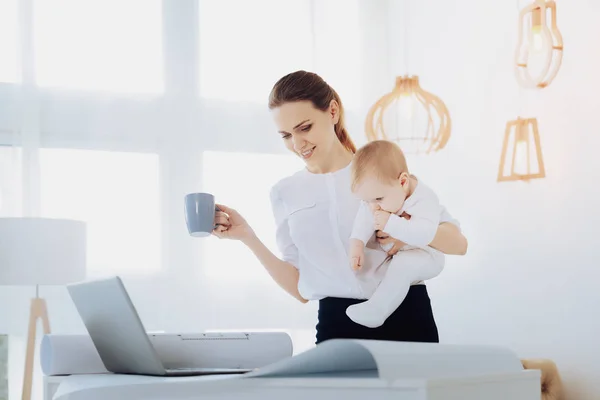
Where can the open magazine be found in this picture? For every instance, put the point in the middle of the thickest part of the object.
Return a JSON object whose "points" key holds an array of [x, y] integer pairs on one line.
{"points": [[393, 360]]}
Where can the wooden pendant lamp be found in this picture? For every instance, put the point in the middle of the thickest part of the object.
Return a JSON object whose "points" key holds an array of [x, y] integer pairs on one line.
{"points": [[408, 93], [521, 158], [539, 51]]}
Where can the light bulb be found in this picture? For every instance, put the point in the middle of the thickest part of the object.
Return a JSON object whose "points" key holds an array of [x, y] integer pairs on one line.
{"points": [[536, 34], [520, 157], [406, 106], [536, 39]]}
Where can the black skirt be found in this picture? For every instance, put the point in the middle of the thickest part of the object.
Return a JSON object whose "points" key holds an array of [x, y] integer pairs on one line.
{"points": [[411, 322]]}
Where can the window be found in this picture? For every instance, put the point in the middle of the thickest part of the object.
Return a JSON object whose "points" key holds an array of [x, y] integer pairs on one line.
{"points": [[10, 181], [338, 55], [9, 17], [117, 194], [246, 46], [245, 185], [107, 45]]}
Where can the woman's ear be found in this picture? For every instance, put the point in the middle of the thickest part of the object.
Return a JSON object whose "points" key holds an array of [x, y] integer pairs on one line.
{"points": [[334, 111]]}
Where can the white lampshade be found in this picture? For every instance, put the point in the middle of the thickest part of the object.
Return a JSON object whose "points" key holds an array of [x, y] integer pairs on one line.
{"points": [[42, 251]]}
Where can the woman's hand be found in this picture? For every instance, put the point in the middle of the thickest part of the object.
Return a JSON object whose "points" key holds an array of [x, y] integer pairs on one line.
{"points": [[231, 225], [450, 240], [383, 239]]}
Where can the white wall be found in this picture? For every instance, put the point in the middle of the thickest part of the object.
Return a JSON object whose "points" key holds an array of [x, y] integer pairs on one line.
{"points": [[531, 275]]}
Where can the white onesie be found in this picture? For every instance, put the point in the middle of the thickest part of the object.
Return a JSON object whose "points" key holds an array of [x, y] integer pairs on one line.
{"points": [[414, 262]]}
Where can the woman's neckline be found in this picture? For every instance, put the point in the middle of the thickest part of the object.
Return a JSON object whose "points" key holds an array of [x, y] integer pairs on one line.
{"points": [[346, 156], [337, 171]]}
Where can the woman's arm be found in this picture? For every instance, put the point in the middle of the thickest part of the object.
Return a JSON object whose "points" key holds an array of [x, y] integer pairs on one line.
{"points": [[284, 273], [449, 240], [231, 225]]}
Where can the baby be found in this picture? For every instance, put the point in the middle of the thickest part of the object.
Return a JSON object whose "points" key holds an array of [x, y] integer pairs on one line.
{"points": [[397, 203]]}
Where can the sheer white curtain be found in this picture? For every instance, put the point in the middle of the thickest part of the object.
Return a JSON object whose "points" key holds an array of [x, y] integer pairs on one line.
{"points": [[111, 111]]}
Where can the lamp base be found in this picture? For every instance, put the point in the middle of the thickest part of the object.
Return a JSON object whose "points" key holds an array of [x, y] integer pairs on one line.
{"points": [[38, 310]]}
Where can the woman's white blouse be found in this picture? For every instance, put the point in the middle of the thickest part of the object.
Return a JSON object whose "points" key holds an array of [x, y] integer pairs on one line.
{"points": [[314, 214]]}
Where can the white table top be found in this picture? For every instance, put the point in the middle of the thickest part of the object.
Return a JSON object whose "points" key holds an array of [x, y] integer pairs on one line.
{"points": [[134, 387]]}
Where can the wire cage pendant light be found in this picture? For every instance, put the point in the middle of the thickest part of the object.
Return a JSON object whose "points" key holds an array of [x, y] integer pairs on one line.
{"points": [[394, 117]]}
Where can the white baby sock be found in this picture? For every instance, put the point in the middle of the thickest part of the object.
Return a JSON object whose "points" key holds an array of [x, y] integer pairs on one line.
{"points": [[386, 299]]}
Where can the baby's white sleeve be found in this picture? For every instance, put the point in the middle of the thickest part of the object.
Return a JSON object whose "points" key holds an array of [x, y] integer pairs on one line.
{"points": [[422, 226], [364, 225], [285, 244]]}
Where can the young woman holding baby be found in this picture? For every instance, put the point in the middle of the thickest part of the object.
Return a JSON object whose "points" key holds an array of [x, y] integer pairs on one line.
{"points": [[315, 210]]}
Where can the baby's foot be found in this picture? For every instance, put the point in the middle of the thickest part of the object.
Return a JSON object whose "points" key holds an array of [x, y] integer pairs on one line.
{"points": [[366, 314]]}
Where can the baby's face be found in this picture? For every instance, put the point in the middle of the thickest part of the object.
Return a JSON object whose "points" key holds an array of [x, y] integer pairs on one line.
{"points": [[387, 197]]}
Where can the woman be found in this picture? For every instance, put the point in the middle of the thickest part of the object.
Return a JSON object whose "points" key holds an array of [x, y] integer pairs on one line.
{"points": [[314, 211]]}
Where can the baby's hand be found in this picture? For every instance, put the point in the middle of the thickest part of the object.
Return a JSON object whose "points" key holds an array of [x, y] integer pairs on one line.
{"points": [[357, 254], [381, 218]]}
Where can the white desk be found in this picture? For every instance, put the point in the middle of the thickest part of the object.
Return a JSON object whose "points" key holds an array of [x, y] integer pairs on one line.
{"points": [[523, 385], [341, 368]]}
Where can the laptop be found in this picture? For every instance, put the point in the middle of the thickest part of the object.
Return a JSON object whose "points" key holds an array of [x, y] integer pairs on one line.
{"points": [[118, 333]]}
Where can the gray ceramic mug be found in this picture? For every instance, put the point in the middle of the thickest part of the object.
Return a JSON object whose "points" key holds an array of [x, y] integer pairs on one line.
{"points": [[200, 214]]}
